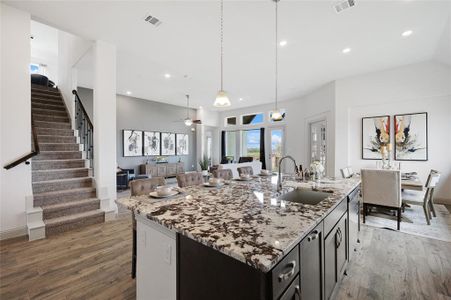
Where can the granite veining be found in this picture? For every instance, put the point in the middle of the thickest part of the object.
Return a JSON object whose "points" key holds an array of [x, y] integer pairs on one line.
{"points": [[243, 219]]}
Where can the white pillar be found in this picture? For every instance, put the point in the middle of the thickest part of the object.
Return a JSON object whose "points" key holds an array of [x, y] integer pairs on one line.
{"points": [[104, 115]]}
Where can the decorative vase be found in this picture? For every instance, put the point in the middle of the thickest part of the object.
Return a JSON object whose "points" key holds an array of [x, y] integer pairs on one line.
{"points": [[204, 172]]}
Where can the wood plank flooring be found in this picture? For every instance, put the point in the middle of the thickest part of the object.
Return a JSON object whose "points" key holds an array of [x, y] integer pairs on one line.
{"points": [[94, 263], [395, 265], [90, 263]]}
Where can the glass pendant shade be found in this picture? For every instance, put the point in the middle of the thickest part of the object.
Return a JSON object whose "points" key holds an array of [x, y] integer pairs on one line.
{"points": [[276, 115], [188, 122], [222, 100]]}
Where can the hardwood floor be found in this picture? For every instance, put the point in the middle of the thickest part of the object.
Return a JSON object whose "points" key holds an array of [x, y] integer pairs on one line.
{"points": [[395, 265], [90, 263], [94, 263]]}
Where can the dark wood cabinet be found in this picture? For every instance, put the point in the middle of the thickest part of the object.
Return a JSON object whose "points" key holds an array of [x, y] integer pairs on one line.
{"points": [[312, 264], [354, 220], [293, 292], [335, 255]]}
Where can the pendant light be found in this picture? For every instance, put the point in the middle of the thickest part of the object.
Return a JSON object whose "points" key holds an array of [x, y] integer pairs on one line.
{"points": [[276, 114], [222, 100], [188, 121]]}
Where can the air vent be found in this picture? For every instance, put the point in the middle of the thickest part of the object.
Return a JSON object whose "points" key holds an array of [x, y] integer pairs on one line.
{"points": [[342, 5], [152, 20]]}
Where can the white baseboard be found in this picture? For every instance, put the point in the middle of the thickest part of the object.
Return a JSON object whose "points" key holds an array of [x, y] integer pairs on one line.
{"points": [[13, 232]]}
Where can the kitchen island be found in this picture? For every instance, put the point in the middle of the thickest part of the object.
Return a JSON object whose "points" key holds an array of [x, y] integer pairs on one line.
{"points": [[241, 242]]}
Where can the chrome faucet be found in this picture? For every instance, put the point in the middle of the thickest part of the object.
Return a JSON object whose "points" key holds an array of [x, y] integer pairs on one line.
{"points": [[279, 175]]}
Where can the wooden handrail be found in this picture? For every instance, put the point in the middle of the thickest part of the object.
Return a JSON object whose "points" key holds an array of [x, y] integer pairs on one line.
{"points": [[35, 151], [83, 108]]}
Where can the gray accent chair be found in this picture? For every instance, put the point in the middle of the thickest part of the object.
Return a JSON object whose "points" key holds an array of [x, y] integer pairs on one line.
{"points": [[424, 198], [225, 174], [245, 170], [141, 187], [381, 188], [189, 179]]}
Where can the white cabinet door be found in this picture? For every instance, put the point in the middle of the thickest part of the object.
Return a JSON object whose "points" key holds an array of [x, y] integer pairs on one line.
{"points": [[156, 261]]}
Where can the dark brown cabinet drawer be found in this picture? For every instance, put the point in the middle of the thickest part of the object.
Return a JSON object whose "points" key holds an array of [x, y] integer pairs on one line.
{"points": [[284, 272], [335, 215], [293, 292]]}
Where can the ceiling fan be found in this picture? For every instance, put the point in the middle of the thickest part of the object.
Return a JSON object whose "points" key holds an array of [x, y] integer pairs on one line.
{"points": [[188, 121]]}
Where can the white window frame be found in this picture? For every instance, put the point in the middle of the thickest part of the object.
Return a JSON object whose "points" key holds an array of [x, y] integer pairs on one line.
{"points": [[228, 125]]}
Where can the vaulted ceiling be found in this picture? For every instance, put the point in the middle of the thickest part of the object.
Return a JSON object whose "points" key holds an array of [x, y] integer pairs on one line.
{"points": [[187, 43]]}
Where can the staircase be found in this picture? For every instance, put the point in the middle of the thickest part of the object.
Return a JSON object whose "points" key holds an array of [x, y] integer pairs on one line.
{"points": [[62, 180]]}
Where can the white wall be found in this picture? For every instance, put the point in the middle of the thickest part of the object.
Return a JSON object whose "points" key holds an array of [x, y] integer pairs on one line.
{"points": [[316, 106], [15, 119], [422, 87], [70, 50]]}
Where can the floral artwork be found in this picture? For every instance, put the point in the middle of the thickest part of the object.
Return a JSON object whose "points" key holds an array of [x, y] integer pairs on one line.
{"points": [[167, 143], [411, 137], [132, 143], [182, 144], [375, 133], [152, 144]]}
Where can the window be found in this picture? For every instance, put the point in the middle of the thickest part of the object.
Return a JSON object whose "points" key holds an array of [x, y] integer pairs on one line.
{"points": [[230, 121], [250, 143], [282, 111], [252, 119], [230, 143]]}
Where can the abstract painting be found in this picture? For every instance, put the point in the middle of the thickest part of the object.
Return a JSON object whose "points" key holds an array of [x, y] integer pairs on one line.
{"points": [[167, 143], [411, 137], [132, 142], [152, 145], [182, 144], [375, 133]]}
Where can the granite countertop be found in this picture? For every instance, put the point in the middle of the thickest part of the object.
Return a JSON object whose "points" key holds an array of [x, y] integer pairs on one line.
{"points": [[243, 219]]}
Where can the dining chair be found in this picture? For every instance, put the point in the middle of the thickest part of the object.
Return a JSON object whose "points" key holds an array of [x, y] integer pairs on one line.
{"points": [[381, 188], [139, 187], [244, 159], [245, 170], [225, 174], [424, 198], [189, 179]]}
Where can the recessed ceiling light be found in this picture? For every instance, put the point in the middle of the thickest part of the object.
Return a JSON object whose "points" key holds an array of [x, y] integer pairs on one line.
{"points": [[241, 99], [200, 107], [407, 33], [167, 75], [128, 92], [346, 50], [283, 43]]}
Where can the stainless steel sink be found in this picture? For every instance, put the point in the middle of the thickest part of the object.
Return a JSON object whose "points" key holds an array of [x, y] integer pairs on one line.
{"points": [[304, 196]]}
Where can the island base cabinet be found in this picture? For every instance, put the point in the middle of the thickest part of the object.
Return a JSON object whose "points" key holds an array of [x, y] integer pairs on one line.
{"points": [[156, 261], [311, 264], [335, 255], [293, 292]]}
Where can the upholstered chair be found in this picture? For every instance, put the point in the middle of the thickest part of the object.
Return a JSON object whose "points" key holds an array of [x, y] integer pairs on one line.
{"points": [[424, 198], [244, 159], [225, 174], [141, 187], [189, 179], [381, 188], [245, 170]]}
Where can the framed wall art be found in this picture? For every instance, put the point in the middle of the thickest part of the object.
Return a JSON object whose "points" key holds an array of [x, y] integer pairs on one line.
{"points": [[375, 133], [182, 142], [132, 142], [152, 143], [411, 136], [167, 143]]}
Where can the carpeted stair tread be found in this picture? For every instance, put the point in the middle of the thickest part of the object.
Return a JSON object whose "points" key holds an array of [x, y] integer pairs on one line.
{"points": [[69, 208], [61, 184], [45, 101], [70, 191], [57, 164], [51, 174], [52, 125], [59, 147], [48, 112], [50, 118], [54, 131], [66, 223], [52, 107], [63, 180]]}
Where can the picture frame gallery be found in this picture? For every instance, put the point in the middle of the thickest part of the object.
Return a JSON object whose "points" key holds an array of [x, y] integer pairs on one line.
{"points": [[154, 143]]}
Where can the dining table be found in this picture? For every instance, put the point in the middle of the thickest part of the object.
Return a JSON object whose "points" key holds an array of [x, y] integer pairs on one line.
{"points": [[412, 183]]}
